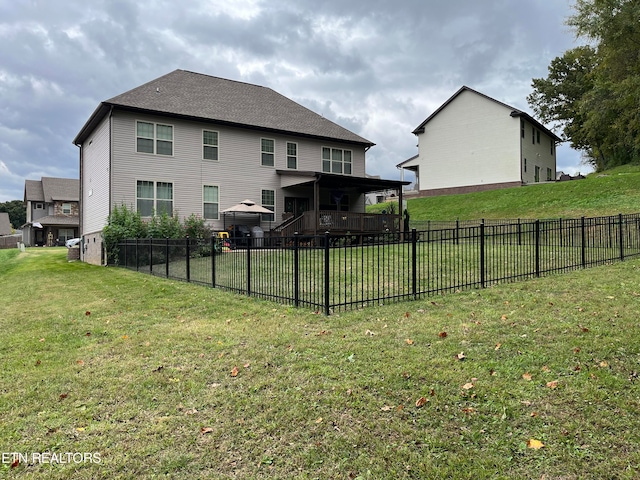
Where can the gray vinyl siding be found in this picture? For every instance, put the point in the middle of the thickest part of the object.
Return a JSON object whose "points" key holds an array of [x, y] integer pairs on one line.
{"points": [[238, 171], [95, 179]]}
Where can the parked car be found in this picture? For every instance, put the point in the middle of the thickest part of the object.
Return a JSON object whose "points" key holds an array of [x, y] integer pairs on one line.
{"points": [[72, 242]]}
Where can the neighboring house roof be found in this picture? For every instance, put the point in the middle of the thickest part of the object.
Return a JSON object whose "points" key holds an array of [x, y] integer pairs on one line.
{"points": [[64, 220], [407, 161], [197, 96], [514, 113], [5, 224], [51, 189], [33, 191]]}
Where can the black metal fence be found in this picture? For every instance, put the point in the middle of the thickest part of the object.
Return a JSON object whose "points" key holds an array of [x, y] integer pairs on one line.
{"points": [[329, 273]]}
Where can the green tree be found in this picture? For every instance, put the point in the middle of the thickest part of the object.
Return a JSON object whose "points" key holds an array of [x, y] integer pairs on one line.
{"points": [[17, 212], [593, 91]]}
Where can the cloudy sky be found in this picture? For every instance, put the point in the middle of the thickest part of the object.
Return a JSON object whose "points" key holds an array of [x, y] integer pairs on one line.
{"points": [[377, 67]]}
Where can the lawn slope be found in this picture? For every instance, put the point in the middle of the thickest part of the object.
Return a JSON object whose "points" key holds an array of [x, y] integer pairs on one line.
{"points": [[165, 379]]}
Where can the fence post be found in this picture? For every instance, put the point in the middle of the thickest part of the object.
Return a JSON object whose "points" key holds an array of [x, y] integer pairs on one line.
{"points": [[166, 256], [126, 248], [213, 261], [248, 266], [537, 248], [187, 257], [519, 233], [621, 237], [151, 256], [482, 277], [137, 253], [584, 247], [414, 263], [296, 269], [327, 270], [457, 242]]}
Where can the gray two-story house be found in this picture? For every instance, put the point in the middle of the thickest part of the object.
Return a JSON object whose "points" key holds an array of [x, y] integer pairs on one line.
{"points": [[191, 143], [52, 211]]}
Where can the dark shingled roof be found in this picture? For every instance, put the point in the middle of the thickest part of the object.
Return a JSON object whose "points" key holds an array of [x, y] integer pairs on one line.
{"points": [[51, 189], [5, 224], [203, 97]]}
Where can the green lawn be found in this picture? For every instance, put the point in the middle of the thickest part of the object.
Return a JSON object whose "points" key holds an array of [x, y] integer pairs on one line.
{"points": [[164, 379], [606, 193]]}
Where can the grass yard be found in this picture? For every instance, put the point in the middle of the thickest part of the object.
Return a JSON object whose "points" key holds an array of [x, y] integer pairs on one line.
{"points": [[605, 193], [164, 379]]}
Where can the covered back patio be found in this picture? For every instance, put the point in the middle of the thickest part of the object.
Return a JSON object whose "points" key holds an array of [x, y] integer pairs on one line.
{"points": [[317, 202]]}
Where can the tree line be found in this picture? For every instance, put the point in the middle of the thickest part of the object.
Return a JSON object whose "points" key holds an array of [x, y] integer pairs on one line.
{"points": [[592, 92], [17, 212]]}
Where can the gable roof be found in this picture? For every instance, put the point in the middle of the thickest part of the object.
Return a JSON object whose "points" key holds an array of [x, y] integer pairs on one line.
{"points": [[514, 113], [197, 96], [5, 224], [51, 189]]}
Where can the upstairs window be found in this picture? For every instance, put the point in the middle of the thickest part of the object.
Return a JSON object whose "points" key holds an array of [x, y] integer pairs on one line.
{"points": [[538, 135], [66, 208], [292, 155], [154, 197], [154, 138], [209, 145], [336, 160], [522, 128], [552, 145], [267, 150]]}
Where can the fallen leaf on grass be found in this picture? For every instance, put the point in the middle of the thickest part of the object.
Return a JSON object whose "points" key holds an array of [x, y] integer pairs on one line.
{"points": [[553, 384], [584, 329], [546, 369], [16, 462], [38, 362], [534, 414], [534, 444], [498, 345], [319, 420], [421, 402], [604, 364], [386, 408], [527, 376], [409, 341], [234, 372], [205, 430], [63, 396], [192, 411], [442, 334], [503, 317], [87, 313], [369, 332], [80, 362], [461, 356]]}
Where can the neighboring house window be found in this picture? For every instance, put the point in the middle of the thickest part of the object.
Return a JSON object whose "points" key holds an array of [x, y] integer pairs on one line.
{"points": [[549, 175], [154, 197], [537, 175], [267, 149], [292, 155], [154, 138], [65, 234], [551, 141], [66, 208], [525, 165], [533, 134], [210, 196], [336, 160], [522, 128], [209, 145], [538, 135], [39, 206], [269, 202]]}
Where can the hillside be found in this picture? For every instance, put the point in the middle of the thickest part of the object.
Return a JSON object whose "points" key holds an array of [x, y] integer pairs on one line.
{"points": [[604, 193]]}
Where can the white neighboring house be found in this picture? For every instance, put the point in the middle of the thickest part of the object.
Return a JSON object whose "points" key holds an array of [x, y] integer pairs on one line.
{"points": [[473, 142]]}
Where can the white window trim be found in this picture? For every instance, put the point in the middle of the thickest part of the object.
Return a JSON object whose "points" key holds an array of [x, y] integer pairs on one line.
{"points": [[38, 206], [272, 153], [155, 138], [275, 202], [70, 208], [155, 195], [203, 202], [287, 155], [205, 145], [342, 162]]}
